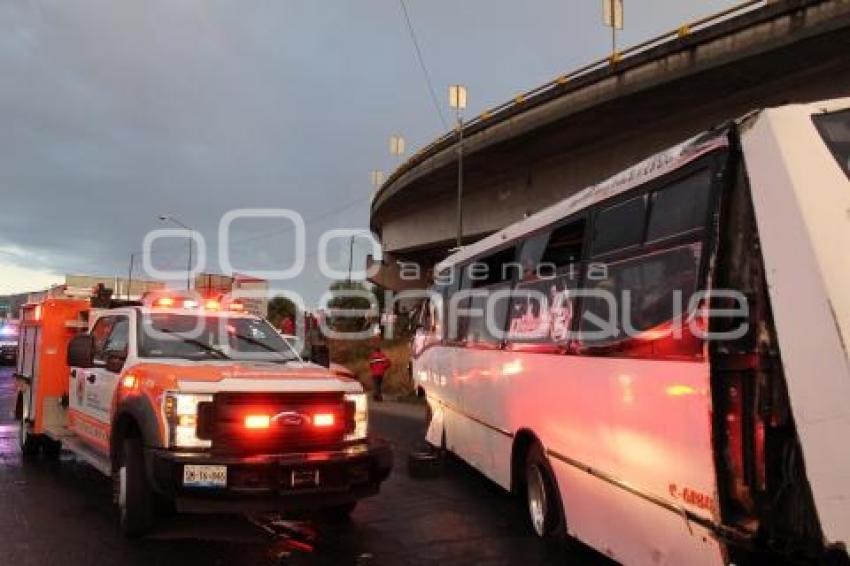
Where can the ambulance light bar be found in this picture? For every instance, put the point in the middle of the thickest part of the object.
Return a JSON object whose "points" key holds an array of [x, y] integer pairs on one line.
{"points": [[169, 302]]}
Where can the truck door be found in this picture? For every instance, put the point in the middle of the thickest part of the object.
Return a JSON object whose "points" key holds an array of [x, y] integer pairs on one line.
{"points": [[92, 388]]}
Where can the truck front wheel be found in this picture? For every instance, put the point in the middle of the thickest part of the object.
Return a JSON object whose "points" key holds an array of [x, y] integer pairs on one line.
{"points": [[30, 443], [135, 500]]}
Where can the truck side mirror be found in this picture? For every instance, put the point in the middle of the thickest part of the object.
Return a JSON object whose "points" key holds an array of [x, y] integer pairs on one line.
{"points": [[320, 355], [81, 351]]}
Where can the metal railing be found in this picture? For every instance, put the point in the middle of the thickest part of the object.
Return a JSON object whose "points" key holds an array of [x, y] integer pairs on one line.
{"points": [[612, 60]]}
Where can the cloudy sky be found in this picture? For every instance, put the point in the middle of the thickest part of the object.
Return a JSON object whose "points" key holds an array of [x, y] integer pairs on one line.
{"points": [[116, 112]]}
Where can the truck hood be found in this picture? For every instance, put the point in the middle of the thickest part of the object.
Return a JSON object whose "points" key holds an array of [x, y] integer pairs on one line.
{"points": [[212, 377]]}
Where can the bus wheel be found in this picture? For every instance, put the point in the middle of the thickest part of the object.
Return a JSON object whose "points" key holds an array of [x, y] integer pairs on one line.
{"points": [[135, 500], [543, 501], [30, 443]]}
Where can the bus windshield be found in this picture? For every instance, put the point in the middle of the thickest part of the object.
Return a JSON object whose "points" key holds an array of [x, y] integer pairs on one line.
{"points": [[168, 335]]}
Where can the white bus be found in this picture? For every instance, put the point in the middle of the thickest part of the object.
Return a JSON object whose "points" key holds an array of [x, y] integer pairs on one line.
{"points": [[703, 415]]}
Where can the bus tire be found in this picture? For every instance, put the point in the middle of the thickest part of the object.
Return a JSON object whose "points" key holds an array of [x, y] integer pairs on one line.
{"points": [[425, 463], [541, 495], [135, 497]]}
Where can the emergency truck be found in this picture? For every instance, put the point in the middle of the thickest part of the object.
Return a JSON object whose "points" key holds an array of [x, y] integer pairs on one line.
{"points": [[192, 405]]}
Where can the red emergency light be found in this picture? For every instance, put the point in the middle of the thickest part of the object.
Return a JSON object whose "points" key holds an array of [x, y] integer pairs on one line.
{"points": [[318, 420], [164, 302], [257, 421]]}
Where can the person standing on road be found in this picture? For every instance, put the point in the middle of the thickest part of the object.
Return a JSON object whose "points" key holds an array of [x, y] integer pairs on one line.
{"points": [[379, 363]]}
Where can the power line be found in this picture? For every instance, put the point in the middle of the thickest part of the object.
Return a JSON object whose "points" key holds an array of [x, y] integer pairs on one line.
{"points": [[171, 251], [421, 60]]}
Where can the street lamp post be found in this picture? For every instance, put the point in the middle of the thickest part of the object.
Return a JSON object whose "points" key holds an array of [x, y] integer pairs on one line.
{"points": [[457, 100], [173, 220], [397, 145], [612, 16], [376, 178]]}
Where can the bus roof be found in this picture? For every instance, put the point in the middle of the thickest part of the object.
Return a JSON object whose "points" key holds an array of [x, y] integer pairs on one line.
{"points": [[650, 168]]}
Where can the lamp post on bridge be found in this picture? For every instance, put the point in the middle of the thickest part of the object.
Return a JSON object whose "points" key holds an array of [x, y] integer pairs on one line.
{"points": [[612, 16], [397, 146], [457, 100], [376, 178]]}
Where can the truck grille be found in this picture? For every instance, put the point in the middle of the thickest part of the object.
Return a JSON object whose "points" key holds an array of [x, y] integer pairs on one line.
{"points": [[291, 429]]}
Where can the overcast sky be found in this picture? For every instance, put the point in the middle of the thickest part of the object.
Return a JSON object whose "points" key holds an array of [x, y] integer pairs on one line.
{"points": [[116, 112]]}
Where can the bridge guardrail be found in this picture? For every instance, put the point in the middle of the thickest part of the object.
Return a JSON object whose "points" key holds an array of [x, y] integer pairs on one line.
{"points": [[611, 60]]}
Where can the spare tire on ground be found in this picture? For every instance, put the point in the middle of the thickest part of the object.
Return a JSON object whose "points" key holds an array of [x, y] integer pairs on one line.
{"points": [[425, 463]]}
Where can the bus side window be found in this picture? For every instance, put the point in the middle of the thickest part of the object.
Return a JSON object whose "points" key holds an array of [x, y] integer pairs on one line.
{"points": [[619, 226], [565, 245], [541, 309], [530, 254], [649, 285], [487, 276], [834, 128], [681, 207]]}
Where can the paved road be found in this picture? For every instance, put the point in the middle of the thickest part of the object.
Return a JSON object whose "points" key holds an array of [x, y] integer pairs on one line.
{"points": [[61, 513]]}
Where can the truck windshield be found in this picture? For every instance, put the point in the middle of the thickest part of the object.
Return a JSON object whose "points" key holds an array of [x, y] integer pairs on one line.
{"points": [[168, 335]]}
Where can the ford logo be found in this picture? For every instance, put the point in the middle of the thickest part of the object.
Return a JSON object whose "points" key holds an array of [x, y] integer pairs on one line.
{"points": [[290, 418]]}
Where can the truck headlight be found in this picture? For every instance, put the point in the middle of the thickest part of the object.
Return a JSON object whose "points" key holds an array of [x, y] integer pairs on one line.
{"points": [[361, 416], [181, 414]]}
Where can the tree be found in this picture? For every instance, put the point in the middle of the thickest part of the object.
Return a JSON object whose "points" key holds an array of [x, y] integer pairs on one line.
{"points": [[343, 301], [280, 308]]}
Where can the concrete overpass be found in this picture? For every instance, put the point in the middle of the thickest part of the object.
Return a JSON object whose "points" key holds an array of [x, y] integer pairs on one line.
{"points": [[585, 126]]}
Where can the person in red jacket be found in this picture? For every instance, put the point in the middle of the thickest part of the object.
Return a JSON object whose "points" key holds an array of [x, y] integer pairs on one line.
{"points": [[288, 326], [379, 363]]}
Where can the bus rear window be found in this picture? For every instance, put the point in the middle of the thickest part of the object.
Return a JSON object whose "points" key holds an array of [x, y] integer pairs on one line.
{"points": [[834, 128]]}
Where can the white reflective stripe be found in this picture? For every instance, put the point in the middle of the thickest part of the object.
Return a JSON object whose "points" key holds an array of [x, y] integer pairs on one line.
{"points": [[266, 385]]}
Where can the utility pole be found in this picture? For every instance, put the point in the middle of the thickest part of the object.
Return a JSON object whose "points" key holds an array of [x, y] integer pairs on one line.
{"points": [[350, 257], [190, 232], [457, 100], [130, 275]]}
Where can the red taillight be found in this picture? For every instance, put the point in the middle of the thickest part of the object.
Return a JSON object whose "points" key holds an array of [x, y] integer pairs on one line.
{"points": [[211, 305], [323, 420], [257, 421]]}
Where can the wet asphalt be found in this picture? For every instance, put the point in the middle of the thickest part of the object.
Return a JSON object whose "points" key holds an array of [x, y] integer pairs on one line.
{"points": [[61, 513]]}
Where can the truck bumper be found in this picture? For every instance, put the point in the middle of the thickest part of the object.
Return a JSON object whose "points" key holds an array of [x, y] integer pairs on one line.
{"points": [[279, 482]]}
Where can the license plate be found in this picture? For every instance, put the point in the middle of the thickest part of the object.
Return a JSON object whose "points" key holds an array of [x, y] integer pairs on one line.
{"points": [[304, 478], [204, 476]]}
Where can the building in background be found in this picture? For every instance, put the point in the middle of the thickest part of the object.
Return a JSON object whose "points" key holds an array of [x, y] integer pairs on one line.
{"points": [[256, 293]]}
